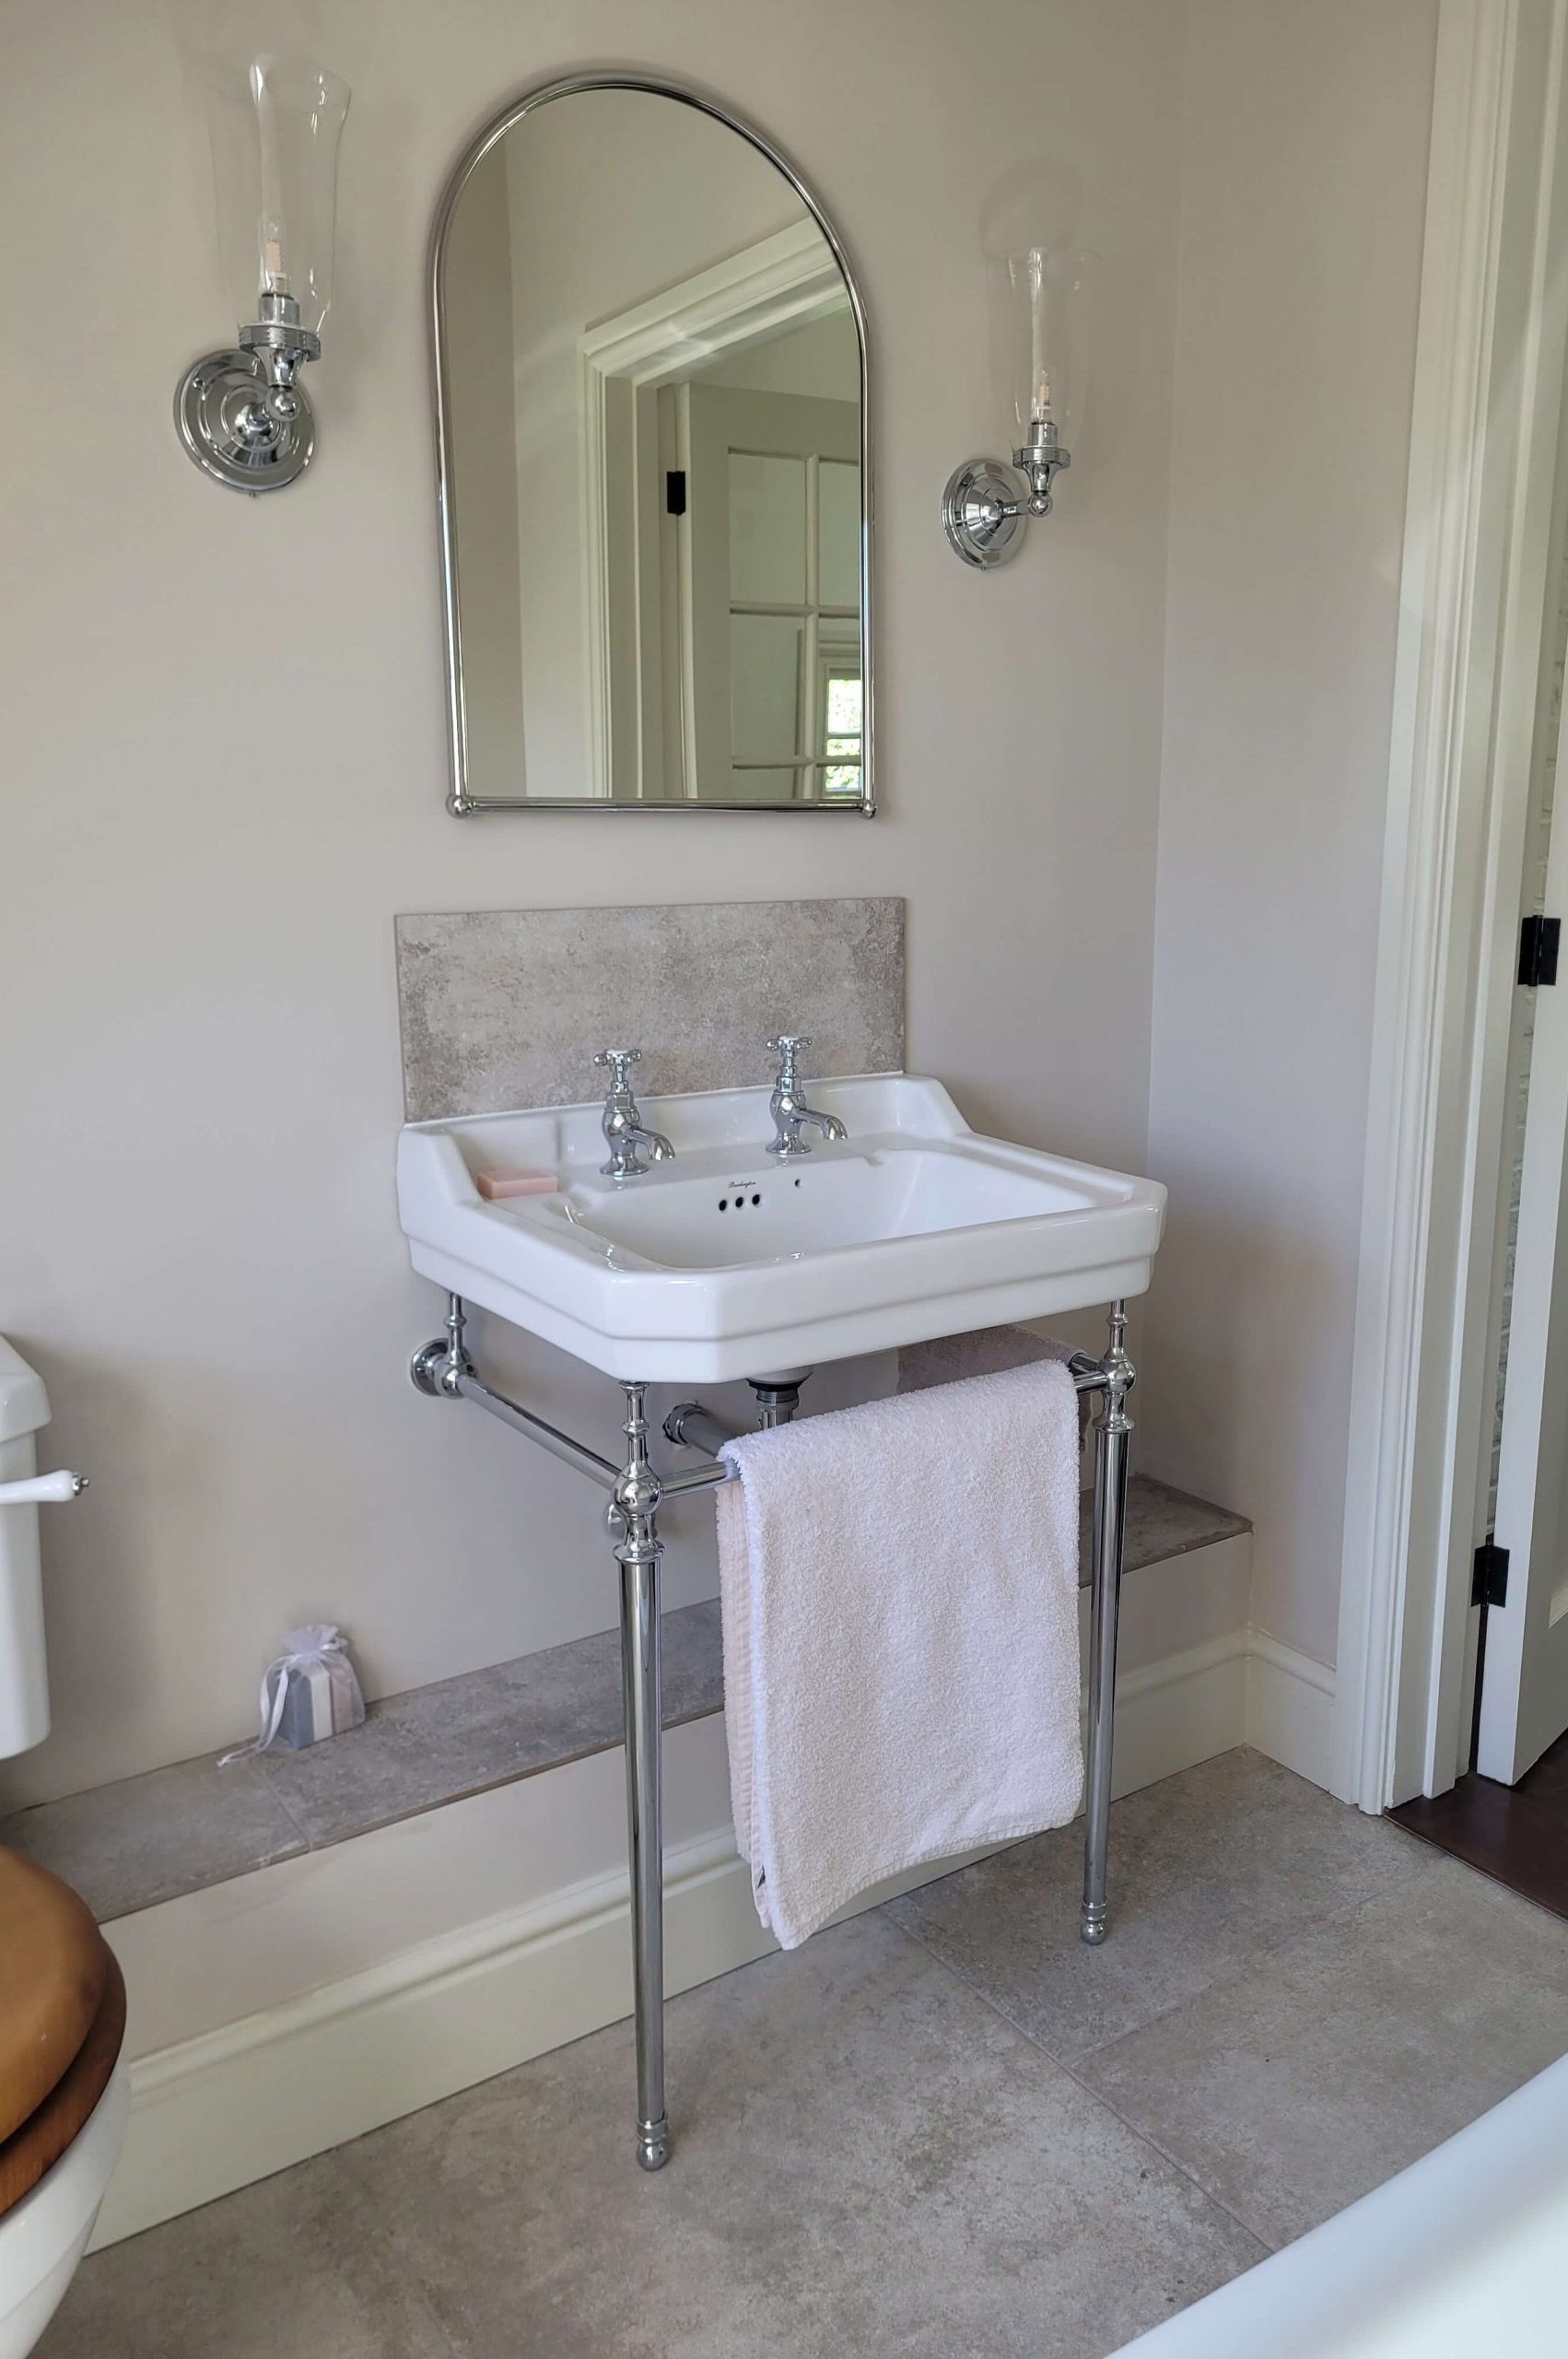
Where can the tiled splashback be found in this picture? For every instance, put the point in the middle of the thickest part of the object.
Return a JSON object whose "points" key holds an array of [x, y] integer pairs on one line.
{"points": [[504, 1008]]}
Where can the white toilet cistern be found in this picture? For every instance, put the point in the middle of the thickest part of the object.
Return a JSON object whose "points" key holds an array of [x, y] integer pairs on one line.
{"points": [[24, 1668]]}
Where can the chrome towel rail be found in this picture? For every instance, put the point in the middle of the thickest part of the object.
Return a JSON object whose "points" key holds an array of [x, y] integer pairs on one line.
{"points": [[443, 1369]]}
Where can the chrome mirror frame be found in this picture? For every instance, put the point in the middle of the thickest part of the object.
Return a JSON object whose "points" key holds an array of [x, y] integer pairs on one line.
{"points": [[459, 802]]}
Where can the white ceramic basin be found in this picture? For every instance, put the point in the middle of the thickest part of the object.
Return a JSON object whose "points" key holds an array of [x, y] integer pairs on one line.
{"points": [[725, 1263]]}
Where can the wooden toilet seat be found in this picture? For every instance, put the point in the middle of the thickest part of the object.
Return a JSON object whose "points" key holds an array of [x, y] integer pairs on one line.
{"points": [[46, 2133], [62, 2021]]}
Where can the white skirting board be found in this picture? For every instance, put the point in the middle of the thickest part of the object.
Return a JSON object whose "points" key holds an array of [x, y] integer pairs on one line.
{"points": [[232, 2106], [1290, 1707], [291, 2010]]}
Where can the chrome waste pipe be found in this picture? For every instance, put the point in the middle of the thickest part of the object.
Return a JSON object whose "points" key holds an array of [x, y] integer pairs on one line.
{"points": [[699, 1427]]}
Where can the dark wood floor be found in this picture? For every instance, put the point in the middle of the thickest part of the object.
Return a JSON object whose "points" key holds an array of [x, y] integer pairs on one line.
{"points": [[1516, 1834]]}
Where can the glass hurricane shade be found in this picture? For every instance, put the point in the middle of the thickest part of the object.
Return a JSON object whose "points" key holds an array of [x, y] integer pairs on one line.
{"points": [[275, 152], [1039, 338]]}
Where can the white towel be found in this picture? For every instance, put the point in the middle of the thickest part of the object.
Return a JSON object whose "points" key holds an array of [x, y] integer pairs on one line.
{"points": [[900, 1602]]}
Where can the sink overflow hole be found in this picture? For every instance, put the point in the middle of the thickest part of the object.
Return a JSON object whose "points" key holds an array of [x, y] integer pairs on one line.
{"points": [[740, 1200]]}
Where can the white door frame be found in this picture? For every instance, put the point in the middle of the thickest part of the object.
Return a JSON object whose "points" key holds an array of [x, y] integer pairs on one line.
{"points": [[1488, 397], [1520, 1711]]}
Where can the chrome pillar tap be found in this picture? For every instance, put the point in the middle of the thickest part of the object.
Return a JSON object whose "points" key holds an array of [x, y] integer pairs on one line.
{"points": [[788, 1104], [632, 1148]]}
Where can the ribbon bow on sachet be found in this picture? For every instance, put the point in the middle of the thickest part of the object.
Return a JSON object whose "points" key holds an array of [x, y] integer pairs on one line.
{"points": [[318, 1642]]}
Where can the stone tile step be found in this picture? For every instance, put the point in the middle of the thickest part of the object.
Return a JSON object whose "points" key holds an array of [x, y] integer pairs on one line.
{"points": [[142, 1841]]}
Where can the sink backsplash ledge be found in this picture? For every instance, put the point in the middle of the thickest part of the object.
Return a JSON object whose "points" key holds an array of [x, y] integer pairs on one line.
{"points": [[505, 1008]]}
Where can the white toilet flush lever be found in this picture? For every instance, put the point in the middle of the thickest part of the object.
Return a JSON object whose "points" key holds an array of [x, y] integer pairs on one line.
{"points": [[43, 1490]]}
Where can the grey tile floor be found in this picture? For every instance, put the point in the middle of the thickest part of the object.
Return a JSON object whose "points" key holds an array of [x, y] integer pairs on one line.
{"points": [[943, 2129]]}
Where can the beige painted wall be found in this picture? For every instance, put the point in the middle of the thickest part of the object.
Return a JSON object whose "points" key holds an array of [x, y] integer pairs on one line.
{"points": [[225, 770], [1302, 202]]}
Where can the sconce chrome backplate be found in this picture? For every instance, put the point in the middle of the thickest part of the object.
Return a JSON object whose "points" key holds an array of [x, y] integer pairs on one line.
{"points": [[217, 401], [982, 514]]}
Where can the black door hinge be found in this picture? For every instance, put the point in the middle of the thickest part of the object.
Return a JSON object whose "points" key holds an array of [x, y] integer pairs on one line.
{"points": [[1539, 939], [675, 492], [1490, 1585]]}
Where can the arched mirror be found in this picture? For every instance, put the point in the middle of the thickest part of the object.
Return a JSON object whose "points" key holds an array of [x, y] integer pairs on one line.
{"points": [[650, 387]]}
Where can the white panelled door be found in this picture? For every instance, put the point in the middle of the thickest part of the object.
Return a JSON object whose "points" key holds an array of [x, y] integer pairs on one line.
{"points": [[775, 595], [1524, 1701]]}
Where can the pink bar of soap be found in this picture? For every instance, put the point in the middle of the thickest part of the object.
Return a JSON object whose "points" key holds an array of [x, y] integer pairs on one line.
{"points": [[495, 1185]]}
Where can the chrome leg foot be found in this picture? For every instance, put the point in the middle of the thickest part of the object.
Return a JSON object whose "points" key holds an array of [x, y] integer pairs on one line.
{"points": [[1093, 1926], [653, 2144]]}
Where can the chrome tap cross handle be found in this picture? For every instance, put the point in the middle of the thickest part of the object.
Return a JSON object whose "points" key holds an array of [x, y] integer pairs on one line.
{"points": [[617, 1059], [787, 1046]]}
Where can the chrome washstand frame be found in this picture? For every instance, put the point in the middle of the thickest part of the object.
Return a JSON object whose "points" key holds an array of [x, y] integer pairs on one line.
{"points": [[638, 1490], [461, 802]]}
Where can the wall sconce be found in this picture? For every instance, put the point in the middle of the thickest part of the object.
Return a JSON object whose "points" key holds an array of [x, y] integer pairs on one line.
{"points": [[1038, 303], [242, 414]]}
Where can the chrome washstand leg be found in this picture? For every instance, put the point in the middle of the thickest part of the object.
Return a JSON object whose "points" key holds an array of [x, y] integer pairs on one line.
{"points": [[1112, 1428], [634, 1518]]}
